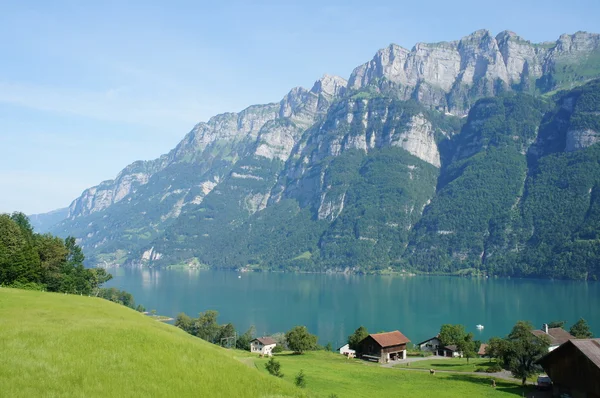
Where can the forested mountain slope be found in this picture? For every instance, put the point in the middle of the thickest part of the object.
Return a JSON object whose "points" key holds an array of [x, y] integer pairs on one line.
{"points": [[477, 155]]}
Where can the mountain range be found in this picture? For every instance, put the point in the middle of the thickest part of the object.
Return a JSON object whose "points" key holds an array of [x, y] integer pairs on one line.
{"points": [[476, 156]]}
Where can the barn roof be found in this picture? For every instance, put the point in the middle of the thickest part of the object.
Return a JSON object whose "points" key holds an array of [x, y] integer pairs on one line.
{"points": [[482, 348], [265, 340], [590, 348], [390, 338], [557, 335]]}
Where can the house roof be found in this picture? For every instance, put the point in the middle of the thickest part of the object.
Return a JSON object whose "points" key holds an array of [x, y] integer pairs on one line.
{"points": [[425, 341], [390, 338], [557, 335], [482, 348], [451, 347], [265, 340]]}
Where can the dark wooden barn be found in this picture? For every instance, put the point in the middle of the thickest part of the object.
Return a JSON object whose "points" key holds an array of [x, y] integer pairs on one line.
{"points": [[574, 368], [383, 347]]}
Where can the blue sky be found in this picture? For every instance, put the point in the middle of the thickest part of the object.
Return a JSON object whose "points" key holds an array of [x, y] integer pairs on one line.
{"points": [[89, 87]]}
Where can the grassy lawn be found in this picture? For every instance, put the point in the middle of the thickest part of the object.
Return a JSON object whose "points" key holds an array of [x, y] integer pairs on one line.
{"points": [[330, 373], [452, 364], [56, 345]]}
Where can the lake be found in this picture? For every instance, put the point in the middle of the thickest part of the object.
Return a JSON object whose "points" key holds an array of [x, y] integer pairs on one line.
{"points": [[333, 306]]}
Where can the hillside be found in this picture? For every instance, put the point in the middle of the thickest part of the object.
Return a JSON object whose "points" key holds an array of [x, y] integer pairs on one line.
{"points": [[65, 345], [444, 158]]}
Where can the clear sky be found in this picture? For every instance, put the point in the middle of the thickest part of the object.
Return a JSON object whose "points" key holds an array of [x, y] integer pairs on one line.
{"points": [[87, 87]]}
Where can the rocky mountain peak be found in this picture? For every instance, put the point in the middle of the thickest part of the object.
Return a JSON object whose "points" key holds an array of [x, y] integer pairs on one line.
{"points": [[330, 86]]}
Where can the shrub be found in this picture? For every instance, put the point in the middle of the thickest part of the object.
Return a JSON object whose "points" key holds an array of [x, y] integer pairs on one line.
{"points": [[300, 380], [494, 368], [274, 367], [28, 286], [277, 349], [480, 370]]}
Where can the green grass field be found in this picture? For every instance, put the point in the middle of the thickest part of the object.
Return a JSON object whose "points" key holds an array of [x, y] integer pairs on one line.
{"points": [[331, 373], [452, 364], [55, 345]]}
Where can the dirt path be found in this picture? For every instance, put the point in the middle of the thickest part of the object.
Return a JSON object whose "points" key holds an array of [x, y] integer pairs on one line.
{"points": [[505, 375]]}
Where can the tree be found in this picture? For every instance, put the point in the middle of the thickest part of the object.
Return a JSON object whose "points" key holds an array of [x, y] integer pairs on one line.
{"points": [[140, 308], [356, 337], [557, 324], [243, 341], [226, 331], [497, 349], [467, 346], [300, 379], [299, 339], [184, 322], [328, 347], [581, 329], [274, 367], [524, 349], [451, 334], [207, 327]]}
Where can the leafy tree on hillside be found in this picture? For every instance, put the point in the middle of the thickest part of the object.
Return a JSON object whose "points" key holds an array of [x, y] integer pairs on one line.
{"points": [[356, 337], [186, 323], [243, 341], [524, 349], [581, 329], [451, 334], [300, 379], [497, 348], [299, 339], [206, 326], [227, 330]]}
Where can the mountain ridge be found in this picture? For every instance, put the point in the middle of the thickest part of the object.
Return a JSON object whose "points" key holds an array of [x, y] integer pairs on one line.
{"points": [[308, 152]]}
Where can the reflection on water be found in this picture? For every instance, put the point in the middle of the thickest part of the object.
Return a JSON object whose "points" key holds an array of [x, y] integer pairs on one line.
{"points": [[332, 306]]}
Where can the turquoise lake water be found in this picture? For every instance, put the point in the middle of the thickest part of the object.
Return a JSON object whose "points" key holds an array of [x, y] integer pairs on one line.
{"points": [[333, 306]]}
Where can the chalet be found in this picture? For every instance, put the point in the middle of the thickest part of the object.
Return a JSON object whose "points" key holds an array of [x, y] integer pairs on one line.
{"points": [[345, 350], [432, 344], [383, 347], [450, 351], [574, 368], [557, 336], [482, 351], [262, 345]]}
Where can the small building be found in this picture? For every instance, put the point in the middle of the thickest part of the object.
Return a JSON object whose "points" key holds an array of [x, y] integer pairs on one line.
{"points": [[345, 350], [574, 368], [262, 345], [383, 347], [482, 352], [433, 344], [450, 351], [557, 336]]}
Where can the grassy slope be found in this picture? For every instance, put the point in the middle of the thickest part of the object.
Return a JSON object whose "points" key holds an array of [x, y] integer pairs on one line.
{"points": [[330, 373], [59, 345]]}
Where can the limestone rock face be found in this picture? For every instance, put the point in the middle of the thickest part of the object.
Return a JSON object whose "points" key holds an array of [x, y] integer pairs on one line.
{"points": [[447, 75], [581, 138]]}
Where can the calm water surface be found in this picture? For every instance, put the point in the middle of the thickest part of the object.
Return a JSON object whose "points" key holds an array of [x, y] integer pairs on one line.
{"points": [[333, 306]]}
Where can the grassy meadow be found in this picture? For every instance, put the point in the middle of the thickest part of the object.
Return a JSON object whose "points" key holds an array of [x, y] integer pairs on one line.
{"points": [[330, 373], [452, 364], [56, 345]]}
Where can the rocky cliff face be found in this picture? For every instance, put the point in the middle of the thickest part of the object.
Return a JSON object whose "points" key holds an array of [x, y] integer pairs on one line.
{"points": [[449, 75]]}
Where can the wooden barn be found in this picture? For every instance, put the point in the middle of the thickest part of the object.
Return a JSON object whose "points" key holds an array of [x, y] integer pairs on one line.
{"points": [[574, 368], [383, 347]]}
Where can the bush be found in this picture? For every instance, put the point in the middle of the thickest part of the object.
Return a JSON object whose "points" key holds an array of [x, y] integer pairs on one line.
{"points": [[480, 370], [494, 368], [300, 380], [274, 367], [28, 286], [277, 349]]}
